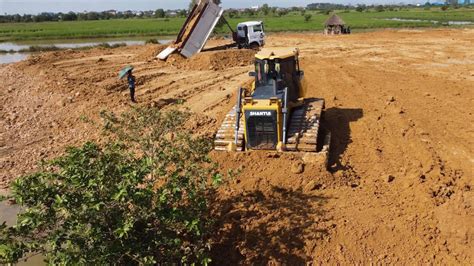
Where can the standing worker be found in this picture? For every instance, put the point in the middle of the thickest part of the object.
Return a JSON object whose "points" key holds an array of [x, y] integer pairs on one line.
{"points": [[131, 85], [127, 71]]}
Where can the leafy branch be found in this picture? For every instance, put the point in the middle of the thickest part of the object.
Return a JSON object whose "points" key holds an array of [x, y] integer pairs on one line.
{"points": [[141, 197]]}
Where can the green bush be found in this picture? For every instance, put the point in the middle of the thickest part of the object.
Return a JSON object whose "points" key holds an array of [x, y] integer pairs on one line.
{"points": [[380, 8], [141, 197], [110, 46], [152, 41], [37, 48]]}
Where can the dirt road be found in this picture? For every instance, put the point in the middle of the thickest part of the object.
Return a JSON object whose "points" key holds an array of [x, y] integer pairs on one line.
{"points": [[399, 104]]}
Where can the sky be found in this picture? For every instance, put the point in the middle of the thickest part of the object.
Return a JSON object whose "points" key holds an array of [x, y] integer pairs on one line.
{"points": [[37, 6]]}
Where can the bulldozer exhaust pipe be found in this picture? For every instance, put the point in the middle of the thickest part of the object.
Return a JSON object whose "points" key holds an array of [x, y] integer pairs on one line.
{"points": [[238, 113], [285, 115]]}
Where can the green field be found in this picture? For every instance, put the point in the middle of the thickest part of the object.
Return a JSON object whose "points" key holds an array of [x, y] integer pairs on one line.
{"points": [[171, 26]]}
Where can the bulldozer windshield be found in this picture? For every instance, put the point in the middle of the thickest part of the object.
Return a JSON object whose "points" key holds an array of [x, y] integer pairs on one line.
{"points": [[263, 69], [280, 72], [267, 72]]}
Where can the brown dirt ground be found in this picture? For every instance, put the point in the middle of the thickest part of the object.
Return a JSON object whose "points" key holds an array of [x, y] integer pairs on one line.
{"points": [[399, 104]]}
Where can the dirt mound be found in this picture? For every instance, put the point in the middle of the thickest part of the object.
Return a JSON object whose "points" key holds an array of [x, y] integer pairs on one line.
{"points": [[48, 57], [213, 60], [263, 170], [150, 52]]}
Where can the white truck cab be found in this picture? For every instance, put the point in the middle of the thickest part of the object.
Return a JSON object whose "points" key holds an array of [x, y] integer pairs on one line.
{"points": [[250, 34]]}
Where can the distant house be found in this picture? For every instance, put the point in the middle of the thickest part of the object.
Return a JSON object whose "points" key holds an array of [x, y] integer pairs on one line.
{"points": [[171, 13], [335, 25]]}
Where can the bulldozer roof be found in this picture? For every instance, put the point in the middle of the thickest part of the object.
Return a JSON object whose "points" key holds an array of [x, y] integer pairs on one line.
{"points": [[276, 53]]}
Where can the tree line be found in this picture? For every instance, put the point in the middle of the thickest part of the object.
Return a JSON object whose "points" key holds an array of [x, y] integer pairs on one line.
{"points": [[264, 10], [104, 15]]}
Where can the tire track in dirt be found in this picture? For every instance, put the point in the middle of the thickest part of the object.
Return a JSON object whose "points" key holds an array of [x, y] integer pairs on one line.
{"points": [[397, 131]]}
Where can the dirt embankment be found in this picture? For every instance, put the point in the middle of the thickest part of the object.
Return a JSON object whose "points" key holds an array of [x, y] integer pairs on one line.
{"points": [[215, 60], [399, 105]]}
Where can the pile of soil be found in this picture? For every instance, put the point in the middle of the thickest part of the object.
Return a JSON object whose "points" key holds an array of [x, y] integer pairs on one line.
{"points": [[151, 51], [213, 60], [48, 57]]}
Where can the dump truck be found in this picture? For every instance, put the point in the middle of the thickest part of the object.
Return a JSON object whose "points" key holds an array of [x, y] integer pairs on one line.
{"points": [[249, 35], [201, 22], [275, 112]]}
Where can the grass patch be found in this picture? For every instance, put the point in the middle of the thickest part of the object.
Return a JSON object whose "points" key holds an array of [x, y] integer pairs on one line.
{"points": [[171, 26], [152, 41]]}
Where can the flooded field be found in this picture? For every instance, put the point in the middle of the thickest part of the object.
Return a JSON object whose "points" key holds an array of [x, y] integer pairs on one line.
{"points": [[13, 50], [8, 214], [12, 57], [451, 23]]}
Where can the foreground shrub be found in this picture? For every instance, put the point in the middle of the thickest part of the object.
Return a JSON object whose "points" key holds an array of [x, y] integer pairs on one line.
{"points": [[152, 41], [138, 198]]}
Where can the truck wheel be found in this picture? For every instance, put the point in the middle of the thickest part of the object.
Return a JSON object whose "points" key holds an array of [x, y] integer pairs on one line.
{"points": [[254, 46]]}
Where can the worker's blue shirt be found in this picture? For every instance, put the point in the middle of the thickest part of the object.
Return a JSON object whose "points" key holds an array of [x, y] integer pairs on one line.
{"points": [[131, 82]]}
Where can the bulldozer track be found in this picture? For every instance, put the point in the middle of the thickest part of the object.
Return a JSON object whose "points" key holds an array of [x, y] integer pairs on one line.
{"points": [[226, 133], [304, 126], [303, 130]]}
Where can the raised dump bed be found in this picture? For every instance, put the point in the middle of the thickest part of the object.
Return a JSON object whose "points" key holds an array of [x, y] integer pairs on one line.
{"points": [[196, 30]]}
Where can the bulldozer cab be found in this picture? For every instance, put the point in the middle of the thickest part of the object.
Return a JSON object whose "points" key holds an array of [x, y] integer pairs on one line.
{"points": [[277, 85], [275, 71]]}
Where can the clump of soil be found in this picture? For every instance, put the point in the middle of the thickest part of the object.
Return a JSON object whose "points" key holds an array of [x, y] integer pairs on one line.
{"points": [[150, 52], [213, 60]]}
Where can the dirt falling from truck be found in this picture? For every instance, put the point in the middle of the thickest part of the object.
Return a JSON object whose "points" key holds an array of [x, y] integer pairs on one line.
{"points": [[213, 60]]}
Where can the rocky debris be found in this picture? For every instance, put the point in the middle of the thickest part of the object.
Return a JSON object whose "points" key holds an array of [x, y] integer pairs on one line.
{"points": [[297, 167], [312, 186], [315, 158], [61, 103], [390, 178], [354, 185]]}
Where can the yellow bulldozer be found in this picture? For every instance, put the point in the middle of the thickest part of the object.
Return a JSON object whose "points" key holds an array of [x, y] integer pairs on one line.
{"points": [[274, 113]]}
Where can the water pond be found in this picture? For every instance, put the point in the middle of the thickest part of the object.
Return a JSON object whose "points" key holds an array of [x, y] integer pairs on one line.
{"points": [[451, 23], [15, 48]]}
